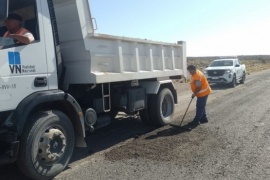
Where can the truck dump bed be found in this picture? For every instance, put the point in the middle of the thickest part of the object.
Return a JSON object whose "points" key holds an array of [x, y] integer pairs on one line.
{"points": [[97, 58]]}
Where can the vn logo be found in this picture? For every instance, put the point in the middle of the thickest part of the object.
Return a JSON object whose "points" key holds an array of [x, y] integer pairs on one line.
{"points": [[15, 62]]}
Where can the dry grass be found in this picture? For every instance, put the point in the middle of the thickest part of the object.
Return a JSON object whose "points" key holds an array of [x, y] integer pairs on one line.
{"points": [[252, 65], [256, 65]]}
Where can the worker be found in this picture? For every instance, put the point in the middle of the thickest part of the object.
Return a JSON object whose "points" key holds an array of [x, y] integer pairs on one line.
{"points": [[201, 89], [15, 31]]}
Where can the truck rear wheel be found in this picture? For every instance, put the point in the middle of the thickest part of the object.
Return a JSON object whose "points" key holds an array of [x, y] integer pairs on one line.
{"points": [[144, 113], [162, 108], [46, 145]]}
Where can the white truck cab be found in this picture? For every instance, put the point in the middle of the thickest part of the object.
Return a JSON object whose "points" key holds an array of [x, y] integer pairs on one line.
{"points": [[226, 71], [71, 80]]}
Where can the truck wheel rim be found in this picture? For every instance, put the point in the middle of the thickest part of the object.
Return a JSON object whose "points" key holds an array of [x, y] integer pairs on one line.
{"points": [[52, 146], [166, 107]]}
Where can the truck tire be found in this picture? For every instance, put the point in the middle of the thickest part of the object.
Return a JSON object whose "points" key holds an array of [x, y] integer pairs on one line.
{"points": [[144, 113], [242, 81], [46, 145], [161, 108], [233, 83]]}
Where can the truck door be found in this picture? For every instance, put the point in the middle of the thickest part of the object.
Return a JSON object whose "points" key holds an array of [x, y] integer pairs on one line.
{"points": [[23, 68]]}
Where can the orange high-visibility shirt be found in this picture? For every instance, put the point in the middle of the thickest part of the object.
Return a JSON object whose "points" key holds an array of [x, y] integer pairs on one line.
{"points": [[205, 88]]}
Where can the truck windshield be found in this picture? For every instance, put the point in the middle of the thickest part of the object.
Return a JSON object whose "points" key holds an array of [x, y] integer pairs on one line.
{"points": [[3, 9], [26, 9], [222, 63]]}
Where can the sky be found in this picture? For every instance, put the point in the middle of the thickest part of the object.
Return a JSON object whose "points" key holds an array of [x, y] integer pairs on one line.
{"points": [[209, 27]]}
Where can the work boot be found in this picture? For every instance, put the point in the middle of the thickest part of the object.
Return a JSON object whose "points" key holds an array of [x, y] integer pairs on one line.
{"points": [[204, 121]]}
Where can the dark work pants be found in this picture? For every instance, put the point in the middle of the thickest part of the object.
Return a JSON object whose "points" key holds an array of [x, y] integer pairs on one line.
{"points": [[200, 109]]}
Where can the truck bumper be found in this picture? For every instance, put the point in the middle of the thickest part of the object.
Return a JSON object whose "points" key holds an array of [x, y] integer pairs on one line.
{"points": [[220, 79], [9, 146]]}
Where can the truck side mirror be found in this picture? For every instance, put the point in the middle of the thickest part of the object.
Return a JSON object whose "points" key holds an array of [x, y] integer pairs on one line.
{"points": [[237, 65], [3, 9]]}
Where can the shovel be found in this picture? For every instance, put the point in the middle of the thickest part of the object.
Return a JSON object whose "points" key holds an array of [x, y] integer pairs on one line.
{"points": [[186, 112], [186, 128]]}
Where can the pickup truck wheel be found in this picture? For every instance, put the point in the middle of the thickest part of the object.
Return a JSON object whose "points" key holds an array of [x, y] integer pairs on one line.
{"points": [[161, 109], [233, 83], [47, 145], [242, 81]]}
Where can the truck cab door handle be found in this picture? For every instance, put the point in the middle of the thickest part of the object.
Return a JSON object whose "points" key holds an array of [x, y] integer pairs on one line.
{"points": [[40, 82]]}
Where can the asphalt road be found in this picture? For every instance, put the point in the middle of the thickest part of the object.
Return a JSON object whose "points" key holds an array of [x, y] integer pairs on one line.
{"points": [[235, 144]]}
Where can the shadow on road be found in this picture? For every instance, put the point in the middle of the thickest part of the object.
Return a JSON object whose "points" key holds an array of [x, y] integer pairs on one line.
{"points": [[220, 86], [11, 171], [120, 130], [171, 131]]}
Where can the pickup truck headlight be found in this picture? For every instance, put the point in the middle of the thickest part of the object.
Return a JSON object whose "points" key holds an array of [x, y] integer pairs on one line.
{"points": [[228, 71], [205, 71]]}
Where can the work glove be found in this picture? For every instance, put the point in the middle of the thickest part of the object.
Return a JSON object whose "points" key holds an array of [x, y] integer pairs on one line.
{"points": [[193, 96]]}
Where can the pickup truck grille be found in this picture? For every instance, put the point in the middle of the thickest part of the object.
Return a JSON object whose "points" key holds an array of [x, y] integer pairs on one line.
{"points": [[215, 72]]}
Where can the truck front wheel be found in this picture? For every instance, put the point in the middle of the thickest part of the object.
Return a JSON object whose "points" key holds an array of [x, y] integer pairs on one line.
{"points": [[46, 146], [162, 108]]}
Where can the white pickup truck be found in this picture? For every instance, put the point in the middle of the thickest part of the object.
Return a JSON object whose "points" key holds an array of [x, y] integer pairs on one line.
{"points": [[226, 71]]}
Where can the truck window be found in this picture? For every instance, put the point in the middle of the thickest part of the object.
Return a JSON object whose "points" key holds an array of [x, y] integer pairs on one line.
{"points": [[27, 11], [3, 29]]}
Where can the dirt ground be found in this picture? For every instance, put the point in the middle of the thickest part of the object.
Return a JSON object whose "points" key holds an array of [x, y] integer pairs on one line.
{"points": [[233, 145]]}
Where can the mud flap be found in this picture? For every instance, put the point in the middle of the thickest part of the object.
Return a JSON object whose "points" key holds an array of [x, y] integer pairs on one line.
{"points": [[9, 147]]}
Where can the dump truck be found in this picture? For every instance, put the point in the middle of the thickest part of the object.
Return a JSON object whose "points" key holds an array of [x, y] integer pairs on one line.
{"points": [[71, 80]]}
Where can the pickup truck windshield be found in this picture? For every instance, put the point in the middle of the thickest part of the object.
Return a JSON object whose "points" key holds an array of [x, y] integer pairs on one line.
{"points": [[221, 63]]}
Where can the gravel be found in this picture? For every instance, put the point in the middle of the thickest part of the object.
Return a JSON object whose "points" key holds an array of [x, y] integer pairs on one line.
{"points": [[235, 144]]}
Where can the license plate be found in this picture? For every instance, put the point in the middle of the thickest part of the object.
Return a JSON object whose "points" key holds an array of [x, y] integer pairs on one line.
{"points": [[215, 78]]}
